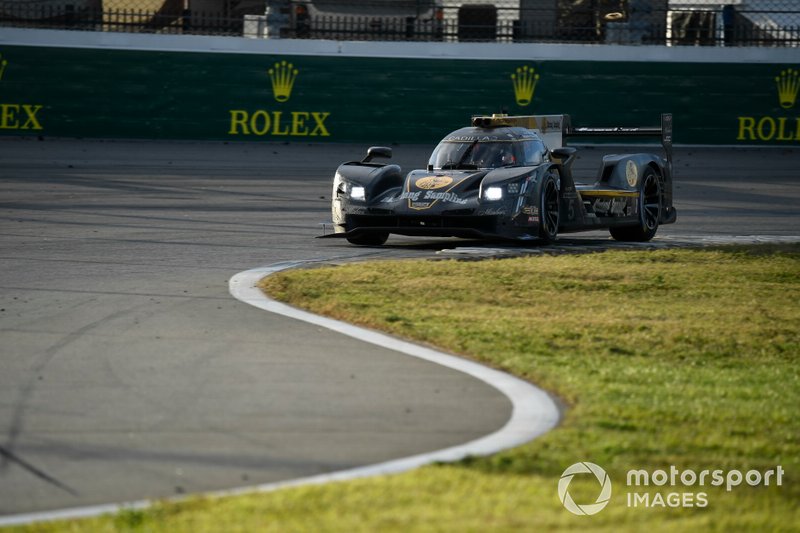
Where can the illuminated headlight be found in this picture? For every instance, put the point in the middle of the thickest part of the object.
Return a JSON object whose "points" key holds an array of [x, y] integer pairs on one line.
{"points": [[357, 193], [341, 187], [493, 193]]}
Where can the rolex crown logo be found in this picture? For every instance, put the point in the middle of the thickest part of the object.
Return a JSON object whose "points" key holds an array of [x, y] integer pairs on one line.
{"points": [[788, 84], [524, 84], [282, 75]]}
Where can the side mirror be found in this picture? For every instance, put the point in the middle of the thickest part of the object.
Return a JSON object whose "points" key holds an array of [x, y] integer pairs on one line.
{"points": [[564, 153], [377, 151], [564, 156]]}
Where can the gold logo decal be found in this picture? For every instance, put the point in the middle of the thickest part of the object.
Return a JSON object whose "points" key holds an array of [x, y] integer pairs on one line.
{"points": [[433, 182], [282, 75], [631, 173], [788, 84], [524, 84]]}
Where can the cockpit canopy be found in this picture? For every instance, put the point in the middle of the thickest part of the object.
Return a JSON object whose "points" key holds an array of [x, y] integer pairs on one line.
{"points": [[473, 151]]}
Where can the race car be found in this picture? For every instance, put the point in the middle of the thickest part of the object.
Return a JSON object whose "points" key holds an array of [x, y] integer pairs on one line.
{"points": [[507, 177]]}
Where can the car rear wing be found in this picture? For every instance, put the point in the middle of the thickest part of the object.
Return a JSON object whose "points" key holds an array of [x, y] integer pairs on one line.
{"points": [[555, 130], [664, 132]]}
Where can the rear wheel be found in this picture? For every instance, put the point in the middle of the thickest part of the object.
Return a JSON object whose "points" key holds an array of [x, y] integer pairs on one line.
{"points": [[649, 211], [368, 239], [548, 207]]}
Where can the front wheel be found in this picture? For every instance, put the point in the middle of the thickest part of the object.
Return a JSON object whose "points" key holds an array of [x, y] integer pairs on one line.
{"points": [[368, 239], [649, 211], [548, 207]]}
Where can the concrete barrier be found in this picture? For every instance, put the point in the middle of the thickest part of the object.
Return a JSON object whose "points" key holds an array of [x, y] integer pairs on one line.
{"points": [[112, 85]]}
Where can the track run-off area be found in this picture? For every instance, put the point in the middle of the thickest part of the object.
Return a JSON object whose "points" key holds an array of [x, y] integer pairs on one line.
{"points": [[129, 372]]}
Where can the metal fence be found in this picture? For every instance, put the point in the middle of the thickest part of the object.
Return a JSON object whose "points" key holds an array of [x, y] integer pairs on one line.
{"points": [[666, 22]]}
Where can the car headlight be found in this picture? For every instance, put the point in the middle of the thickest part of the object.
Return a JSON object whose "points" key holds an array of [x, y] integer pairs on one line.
{"points": [[342, 187], [357, 192], [493, 193]]}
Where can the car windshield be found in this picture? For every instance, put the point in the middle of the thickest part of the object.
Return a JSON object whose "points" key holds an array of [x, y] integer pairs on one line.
{"points": [[473, 155]]}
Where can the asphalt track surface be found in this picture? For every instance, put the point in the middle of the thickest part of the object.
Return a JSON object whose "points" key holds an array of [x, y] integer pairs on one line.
{"points": [[127, 371]]}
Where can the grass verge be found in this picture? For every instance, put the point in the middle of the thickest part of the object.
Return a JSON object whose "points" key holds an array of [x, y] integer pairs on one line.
{"points": [[675, 357]]}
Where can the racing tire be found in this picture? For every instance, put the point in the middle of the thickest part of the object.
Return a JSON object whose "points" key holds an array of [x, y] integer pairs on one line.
{"points": [[649, 211], [549, 210], [368, 239]]}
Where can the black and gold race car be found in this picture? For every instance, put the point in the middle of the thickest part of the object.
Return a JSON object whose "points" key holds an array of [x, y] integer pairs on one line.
{"points": [[507, 177]]}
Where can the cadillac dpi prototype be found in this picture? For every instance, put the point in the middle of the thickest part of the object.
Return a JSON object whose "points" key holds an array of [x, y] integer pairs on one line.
{"points": [[507, 177]]}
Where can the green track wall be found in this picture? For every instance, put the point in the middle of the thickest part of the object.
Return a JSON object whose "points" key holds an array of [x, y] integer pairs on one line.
{"points": [[109, 93]]}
